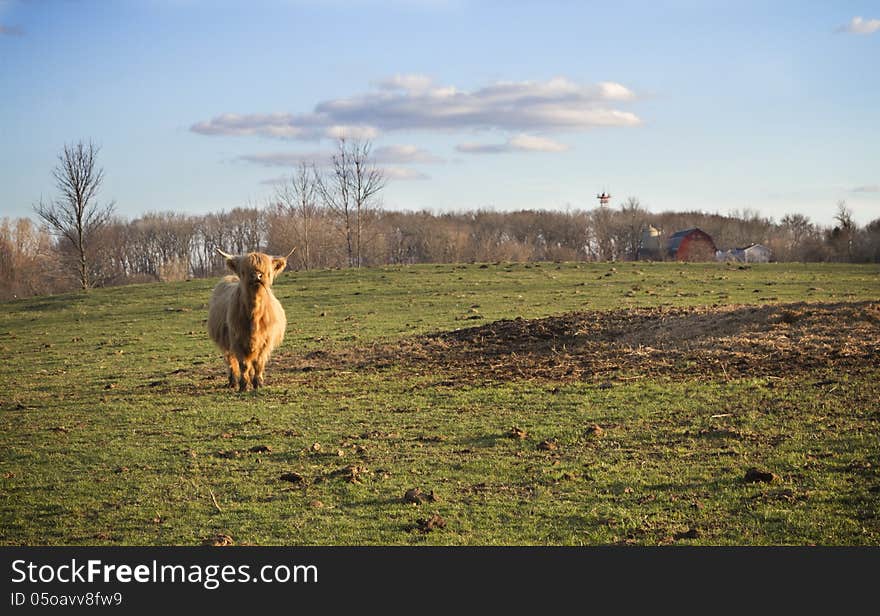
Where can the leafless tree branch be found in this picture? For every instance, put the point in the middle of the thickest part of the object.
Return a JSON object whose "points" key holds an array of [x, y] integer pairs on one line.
{"points": [[75, 214]]}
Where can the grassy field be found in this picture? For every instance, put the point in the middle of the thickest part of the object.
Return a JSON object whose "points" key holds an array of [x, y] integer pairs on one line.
{"points": [[633, 426]]}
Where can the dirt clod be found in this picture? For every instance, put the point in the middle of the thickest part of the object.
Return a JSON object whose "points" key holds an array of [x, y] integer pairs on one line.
{"points": [[755, 475], [691, 533], [416, 496], [595, 431], [218, 540], [292, 478], [789, 316], [549, 444], [351, 473], [435, 522]]}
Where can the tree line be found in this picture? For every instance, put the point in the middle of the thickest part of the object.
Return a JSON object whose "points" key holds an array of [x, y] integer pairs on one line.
{"points": [[334, 217]]}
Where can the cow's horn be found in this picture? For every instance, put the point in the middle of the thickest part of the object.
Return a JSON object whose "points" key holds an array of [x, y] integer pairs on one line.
{"points": [[290, 253], [225, 255]]}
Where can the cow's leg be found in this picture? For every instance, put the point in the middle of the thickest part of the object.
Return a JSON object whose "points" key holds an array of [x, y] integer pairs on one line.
{"points": [[259, 366], [234, 371], [244, 369]]}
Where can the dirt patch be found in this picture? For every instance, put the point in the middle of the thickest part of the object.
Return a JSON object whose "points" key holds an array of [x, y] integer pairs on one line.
{"points": [[292, 478], [595, 431], [416, 496], [549, 444], [777, 339], [691, 533], [756, 475], [218, 540], [351, 473], [435, 522]]}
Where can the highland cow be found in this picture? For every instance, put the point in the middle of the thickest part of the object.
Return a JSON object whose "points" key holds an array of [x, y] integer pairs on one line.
{"points": [[245, 318]]}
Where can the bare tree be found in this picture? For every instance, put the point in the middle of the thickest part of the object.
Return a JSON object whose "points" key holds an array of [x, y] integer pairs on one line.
{"points": [[794, 229], [602, 236], [844, 232], [75, 214], [350, 191], [872, 240], [26, 260], [245, 226], [298, 197], [632, 222], [367, 181], [334, 189]]}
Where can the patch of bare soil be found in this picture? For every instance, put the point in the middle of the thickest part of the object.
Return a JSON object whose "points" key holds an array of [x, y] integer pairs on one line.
{"points": [[218, 540], [756, 475], [778, 339], [416, 496], [435, 522]]}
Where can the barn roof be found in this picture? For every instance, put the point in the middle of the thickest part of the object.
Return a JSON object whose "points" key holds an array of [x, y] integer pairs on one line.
{"points": [[680, 234], [676, 238]]}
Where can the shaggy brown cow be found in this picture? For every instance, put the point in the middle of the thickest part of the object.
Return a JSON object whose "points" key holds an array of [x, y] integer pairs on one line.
{"points": [[245, 318]]}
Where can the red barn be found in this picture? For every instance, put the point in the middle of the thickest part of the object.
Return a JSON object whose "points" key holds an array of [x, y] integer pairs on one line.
{"points": [[691, 245]]}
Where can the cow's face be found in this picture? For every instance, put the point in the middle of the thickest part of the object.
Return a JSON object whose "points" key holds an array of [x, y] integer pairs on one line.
{"points": [[256, 269]]}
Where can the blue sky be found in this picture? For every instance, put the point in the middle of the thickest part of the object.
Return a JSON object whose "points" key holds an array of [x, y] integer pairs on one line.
{"points": [[199, 105]]}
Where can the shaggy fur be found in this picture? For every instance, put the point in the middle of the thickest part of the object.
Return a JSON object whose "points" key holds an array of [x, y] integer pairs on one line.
{"points": [[245, 318]]}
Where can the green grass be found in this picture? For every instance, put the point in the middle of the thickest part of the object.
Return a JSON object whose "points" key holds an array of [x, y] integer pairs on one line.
{"points": [[116, 428]]}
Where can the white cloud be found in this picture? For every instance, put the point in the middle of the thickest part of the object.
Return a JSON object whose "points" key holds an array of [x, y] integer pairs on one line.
{"points": [[264, 124], [555, 104], [517, 143], [404, 154], [391, 172], [351, 132], [868, 188], [412, 102], [536, 144], [857, 25], [288, 159], [404, 173], [409, 83], [615, 91], [483, 148], [386, 155]]}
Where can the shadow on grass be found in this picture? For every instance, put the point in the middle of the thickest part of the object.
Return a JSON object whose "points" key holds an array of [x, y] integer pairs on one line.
{"points": [[374, 502], [484, 441], [50, 302]]}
